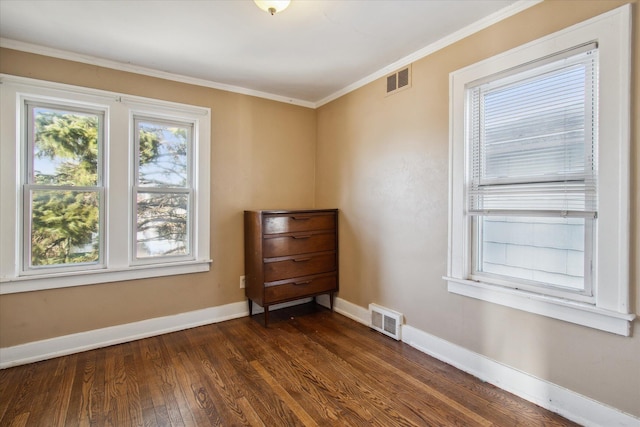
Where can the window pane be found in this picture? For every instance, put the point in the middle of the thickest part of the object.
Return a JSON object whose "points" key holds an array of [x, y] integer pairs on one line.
{"points": [[163, 153], [64, 227], [549, 251], [533, 138], [162, 224], [65, 147], [536, 127]]}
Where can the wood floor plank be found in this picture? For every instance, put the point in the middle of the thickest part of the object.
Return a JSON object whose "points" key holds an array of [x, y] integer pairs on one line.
{"points": [[191, 384], [20, 420], [61, 389], [327, 372], [142, 376], [270, 350], [162, 378], [220, 359], [311, 367], [220, 379], [381, 382], [27, 388], [349, 350], [252, 416], [79, 391], [282, 394], [9, 383], [256, 390], [361, 359], [297, 382], [97, 392]]}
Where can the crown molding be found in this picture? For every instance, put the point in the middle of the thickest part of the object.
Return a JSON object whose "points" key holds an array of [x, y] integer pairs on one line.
{"points": [[130, 68], [434, 47]]}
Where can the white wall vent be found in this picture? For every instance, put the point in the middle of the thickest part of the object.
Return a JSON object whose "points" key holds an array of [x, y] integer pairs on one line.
{"points": [[399, 80], [386, 321]]}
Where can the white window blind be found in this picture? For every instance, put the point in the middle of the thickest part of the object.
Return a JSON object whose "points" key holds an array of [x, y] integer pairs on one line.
{"points": [[533, 137]]}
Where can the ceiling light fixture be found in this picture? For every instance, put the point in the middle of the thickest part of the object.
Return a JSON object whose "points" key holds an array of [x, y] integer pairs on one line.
{"points": [[272, 6]]}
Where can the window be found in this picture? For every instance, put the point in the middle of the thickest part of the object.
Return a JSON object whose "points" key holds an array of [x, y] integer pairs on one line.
{"points": [[533, 172], [163, 192], [99, 187], [539, 183], [63, 189]]}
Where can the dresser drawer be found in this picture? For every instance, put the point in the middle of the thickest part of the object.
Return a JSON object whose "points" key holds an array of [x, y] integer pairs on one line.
{"points": [[300, 288], [301, 265], [300, 243], [274, 224]]}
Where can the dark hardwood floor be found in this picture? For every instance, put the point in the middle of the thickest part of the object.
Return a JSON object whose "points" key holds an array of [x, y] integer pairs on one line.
{"points": [[310, 367]]}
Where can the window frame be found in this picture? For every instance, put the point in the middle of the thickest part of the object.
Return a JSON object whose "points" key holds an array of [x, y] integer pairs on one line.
{"points": [[609, 311], [29, 104], [118, 187], [515, 79]]}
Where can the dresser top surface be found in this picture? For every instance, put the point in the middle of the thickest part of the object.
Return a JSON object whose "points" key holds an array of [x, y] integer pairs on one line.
{"points": [[290, 211]]}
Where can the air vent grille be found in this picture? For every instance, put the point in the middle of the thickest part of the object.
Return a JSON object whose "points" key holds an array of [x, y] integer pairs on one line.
{"points": [[399, 80], [403, 78], [392, 82], [386, 321]]}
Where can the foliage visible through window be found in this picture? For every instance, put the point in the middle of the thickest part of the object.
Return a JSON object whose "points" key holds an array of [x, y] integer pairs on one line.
{"points": [[163, 191], [63, 187], [100, 187]]}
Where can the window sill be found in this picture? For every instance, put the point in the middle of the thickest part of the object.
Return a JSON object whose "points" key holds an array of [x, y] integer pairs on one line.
{"points": [[68, 279], [557, 308]]}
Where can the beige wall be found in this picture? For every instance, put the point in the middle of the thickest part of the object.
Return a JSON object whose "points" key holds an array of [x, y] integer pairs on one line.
{"points": [[384, 162], [263, 156]]}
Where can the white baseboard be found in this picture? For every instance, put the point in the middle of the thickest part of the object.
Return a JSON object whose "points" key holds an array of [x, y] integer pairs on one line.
{"points": [[83, 341], [68, 344], [569, 404], [347, 309]]}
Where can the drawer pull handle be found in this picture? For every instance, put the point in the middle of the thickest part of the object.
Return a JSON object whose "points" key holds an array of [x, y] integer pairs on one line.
{"points": [[306, 236], [300, 218], [302, 283], [301, 259]]}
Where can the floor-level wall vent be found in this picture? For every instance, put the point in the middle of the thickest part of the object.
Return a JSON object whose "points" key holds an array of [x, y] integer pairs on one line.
{"points": [[387, 321]]}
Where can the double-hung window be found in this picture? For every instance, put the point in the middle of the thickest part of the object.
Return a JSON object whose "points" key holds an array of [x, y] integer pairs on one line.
{"points": [[63, 190], [539, 176], [99, 187], [532, 193], [163, 192]]}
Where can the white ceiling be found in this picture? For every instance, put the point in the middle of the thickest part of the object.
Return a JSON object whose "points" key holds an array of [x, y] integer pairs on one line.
{"points": [[307, 54]]}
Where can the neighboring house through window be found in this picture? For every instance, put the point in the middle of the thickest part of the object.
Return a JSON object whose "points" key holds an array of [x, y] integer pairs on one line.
{"points": [[539, 206], [532, 190]]}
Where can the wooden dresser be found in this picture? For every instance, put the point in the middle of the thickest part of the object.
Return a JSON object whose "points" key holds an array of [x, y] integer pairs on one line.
{"points": [[290, 255]]}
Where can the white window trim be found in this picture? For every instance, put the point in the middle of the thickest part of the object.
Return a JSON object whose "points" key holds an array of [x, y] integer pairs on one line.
{"points": [[118, 256], [611, 311]]}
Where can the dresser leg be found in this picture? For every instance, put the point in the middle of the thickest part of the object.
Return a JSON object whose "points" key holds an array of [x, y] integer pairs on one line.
{"points": [[331, 300], [266, 315], [250, 307]]}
